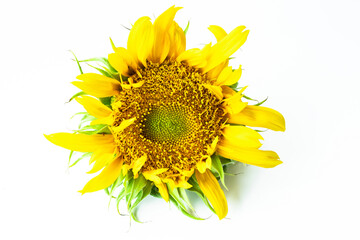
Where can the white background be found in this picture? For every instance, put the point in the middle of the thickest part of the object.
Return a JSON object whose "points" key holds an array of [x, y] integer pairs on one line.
{"points": [[304, 55]]}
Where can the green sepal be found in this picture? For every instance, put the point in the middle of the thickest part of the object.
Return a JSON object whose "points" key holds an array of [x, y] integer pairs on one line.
{"points": [[217, 166], [119, 198], [179, 198], [88, 154], [107, 101], [115, 185], [225, 161], [86, 118], [187, 27], [103, 71], [260, 103], [142, 194], [182, 207], [94, 129], [77, 95], [136, 186], [196, 189], [102, 60], [112, 43], [235, 86], [155, 192], [77, 61]]}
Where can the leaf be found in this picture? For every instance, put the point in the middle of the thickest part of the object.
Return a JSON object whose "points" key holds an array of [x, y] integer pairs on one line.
{"points": [[216, 164], [77, 61]]}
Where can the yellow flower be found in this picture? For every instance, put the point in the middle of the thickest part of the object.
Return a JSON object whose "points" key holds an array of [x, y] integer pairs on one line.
{"points": [[165, 115]]}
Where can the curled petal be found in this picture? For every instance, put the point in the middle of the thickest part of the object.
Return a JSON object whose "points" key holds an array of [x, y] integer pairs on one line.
{"points": [[218, 32]]}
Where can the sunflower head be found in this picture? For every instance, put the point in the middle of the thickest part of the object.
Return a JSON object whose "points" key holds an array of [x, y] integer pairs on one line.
{"points": [[165, 119]]}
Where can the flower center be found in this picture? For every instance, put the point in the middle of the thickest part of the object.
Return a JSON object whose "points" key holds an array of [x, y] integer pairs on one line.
{"points": [[177, 118], [166, 123]]}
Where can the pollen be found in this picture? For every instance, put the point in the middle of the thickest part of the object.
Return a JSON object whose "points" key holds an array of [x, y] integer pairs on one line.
{"points": [[177, 118]]}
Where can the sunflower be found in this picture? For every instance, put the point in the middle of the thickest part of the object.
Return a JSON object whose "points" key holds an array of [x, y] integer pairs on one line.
{"points": [[165, 119]]}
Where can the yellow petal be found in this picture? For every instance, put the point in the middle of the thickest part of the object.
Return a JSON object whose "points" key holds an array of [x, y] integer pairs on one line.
{"points": [[211, 188], [177, 41], [241, 136], [101, 159], [252, 156], [138, 165], [222, 50], [203, 165], [227, 91], [110, 148], [212, 147], [218, 32], [233, 104], [257, 116], [107, 121], [228, 76], [80, 142], [162, 43], [123, 61], [141, 39], [216, 90], [214, 73], [182, 183], [124, 124], [225, 74], [163, 191], [152, 175], [105, 178], [94, 107], [133, 85], [193, 57], [97, 85]]}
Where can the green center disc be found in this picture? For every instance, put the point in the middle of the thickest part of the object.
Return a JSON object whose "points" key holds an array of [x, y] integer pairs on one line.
{"points": [[165, 124]]}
